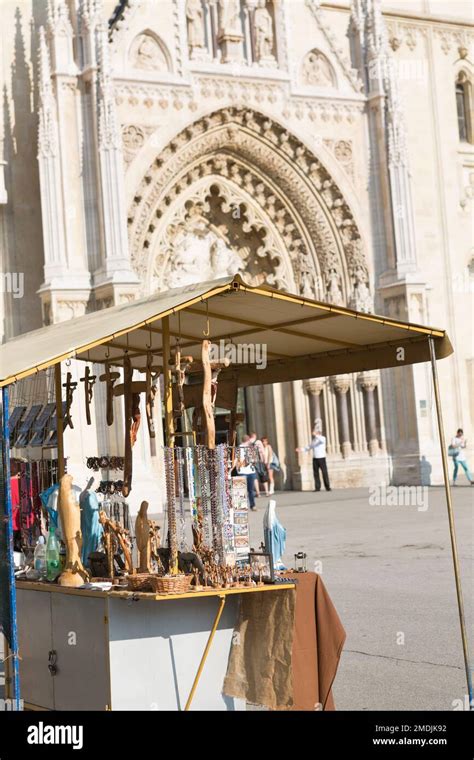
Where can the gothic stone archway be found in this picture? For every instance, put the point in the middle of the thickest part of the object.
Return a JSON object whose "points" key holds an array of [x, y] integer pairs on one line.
{"points": [[236, 191], [244, 193]]}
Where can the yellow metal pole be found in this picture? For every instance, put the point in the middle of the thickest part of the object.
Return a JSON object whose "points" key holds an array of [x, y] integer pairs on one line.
{"points": [[452, 529], [169, 424], [59, 418], [206, 652]]}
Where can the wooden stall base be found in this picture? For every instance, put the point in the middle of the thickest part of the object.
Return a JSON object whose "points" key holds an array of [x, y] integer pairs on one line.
{"points": [[221, 594]]}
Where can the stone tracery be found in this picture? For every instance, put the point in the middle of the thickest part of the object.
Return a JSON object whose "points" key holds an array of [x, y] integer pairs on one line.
{"points": [[284, 183]]}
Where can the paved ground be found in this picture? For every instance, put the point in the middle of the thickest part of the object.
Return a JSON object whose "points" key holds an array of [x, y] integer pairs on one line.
{"points": [[389, 572]]}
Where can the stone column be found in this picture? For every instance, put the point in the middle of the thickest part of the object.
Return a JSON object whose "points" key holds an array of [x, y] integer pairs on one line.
{"points": [[341, 384], [368, 381], [313, 389]]}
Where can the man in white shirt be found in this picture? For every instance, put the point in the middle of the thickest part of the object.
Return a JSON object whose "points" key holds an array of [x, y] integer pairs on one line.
{"points": [[318, 447]]}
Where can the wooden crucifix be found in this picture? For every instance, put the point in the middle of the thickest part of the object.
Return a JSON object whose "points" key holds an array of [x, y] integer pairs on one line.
{"points": [[152, 375], [70, 388], [88, 381], [128, 414], [131, 389], [109, 378]]}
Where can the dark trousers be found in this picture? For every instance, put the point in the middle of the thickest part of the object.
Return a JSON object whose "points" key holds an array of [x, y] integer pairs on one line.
{"points": [[320, 464], [251, 478]]}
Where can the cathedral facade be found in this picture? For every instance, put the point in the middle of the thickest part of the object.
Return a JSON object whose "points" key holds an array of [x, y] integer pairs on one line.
{"points": [[323, 148]]}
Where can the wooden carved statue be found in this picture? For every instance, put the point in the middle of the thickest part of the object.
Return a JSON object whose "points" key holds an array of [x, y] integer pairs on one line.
{"points": [[74, 573], [143, 538], [115, 537]]}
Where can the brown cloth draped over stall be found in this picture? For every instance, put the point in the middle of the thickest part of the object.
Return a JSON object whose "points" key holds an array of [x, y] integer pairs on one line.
{"points": [[286, 648]]}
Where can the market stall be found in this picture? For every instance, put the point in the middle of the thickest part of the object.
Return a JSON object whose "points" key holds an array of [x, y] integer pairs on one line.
{"points": [[169, 336]]}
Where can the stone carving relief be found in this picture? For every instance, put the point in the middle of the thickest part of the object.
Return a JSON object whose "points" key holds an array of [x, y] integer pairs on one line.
{"points": [[295, 192], [342, 151], [133, 138], [147, 53], [197, 254], [316, 71], [214, 231]]}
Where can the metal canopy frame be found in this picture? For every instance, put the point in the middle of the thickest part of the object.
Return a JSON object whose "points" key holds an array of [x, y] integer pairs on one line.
{"points": [[335, 355]]}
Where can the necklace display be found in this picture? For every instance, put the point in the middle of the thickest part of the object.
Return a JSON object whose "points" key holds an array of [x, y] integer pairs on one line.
{"points": [[171, 507]]}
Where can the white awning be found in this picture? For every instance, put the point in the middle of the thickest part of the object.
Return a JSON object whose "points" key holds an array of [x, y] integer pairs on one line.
{"points": [[302, 338]]}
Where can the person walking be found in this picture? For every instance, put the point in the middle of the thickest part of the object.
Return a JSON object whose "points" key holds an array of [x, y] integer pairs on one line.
{"points": [[267, 457], [248, 470], [260, 467], [318, 447], [457, 451]]}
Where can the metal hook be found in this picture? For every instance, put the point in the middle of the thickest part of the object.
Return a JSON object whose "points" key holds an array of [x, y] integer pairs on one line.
{"points": [[107, 352], [207, 331], [127, 349]]}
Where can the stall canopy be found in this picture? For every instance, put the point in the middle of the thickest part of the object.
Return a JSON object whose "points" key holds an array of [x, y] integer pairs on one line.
{"points": [[302, 338]]}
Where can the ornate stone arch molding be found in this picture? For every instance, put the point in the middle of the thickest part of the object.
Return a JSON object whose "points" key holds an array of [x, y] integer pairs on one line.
{"points": [[256, 162]]}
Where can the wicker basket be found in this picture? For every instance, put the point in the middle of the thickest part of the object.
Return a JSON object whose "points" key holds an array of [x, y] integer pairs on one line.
{"points": [[141, 582], [171, 584]]}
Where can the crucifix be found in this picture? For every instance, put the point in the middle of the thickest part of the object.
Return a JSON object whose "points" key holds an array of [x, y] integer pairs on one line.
{"points": [[151, 381], [130, 389], [109, 378], [181, 366], [88, 381], [70, 388]]}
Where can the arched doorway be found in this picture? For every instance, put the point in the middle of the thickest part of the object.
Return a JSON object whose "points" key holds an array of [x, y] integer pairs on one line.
{"points": [[233, 191]]}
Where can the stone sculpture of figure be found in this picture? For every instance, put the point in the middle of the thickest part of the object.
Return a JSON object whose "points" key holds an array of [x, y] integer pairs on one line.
{"points": [[148, 54], [195, 24], [361, 298], [263, 26], [90, 526], [306, 288], [333, 287], [229, 17]]}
